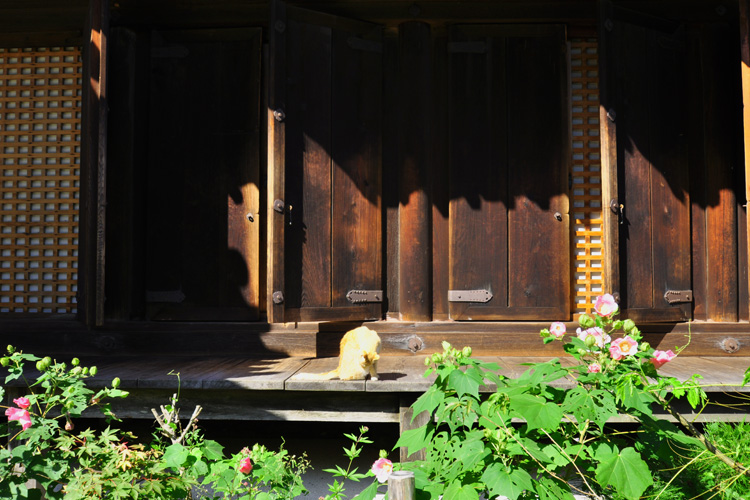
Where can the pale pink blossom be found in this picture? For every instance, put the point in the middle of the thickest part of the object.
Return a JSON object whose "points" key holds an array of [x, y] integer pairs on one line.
{"points": [[595, 368], [622, 347], [661, 357], [246, 465], [557, 329], [605, 305], [22, 402], [21, 415], [382, 469], [600, 337]]}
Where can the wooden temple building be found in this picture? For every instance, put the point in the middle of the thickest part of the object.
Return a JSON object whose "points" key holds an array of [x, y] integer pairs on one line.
{"points": [[224, 187]]}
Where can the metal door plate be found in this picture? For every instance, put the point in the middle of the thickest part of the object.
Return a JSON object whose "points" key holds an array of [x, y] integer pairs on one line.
{"points": [[469, 295]]}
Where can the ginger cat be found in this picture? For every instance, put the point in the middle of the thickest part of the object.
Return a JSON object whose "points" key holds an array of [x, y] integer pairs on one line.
{"points": [[358, 356]]}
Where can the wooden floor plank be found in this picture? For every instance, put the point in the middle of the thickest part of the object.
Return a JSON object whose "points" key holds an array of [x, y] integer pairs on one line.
{"points": [[400, 374], [322, 365]]}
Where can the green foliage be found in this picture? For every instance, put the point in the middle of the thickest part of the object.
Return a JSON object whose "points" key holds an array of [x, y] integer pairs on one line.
{"points": [[528, 438], [110, 463]]}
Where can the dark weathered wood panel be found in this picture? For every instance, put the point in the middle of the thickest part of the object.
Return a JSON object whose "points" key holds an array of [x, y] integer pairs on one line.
{"points": [[277, 101], [308, 166], [646, 88], [440, 194], [538, 170], [332, 80], [720, 123], [415, 129], [94, 164], [203, 174], [356, 207], [509, 166]]}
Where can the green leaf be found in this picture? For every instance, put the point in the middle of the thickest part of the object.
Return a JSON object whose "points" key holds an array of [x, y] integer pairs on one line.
{"points": [[415, 439], [428, 401], [458, 491], [509, 483], [625, 471], [538, 413], [464, 383], [175, 455], [368, 493], [212, 450]]}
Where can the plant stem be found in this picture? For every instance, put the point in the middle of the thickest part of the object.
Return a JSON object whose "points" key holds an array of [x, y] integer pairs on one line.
{"points": [[742, 469]]}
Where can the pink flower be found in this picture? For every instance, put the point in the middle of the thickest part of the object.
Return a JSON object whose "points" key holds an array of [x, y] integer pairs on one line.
{"points": [[246, 465], [600, 338], [625, 346], [557, 329], [382, 468], [22, 403], [21, 415], [595, 368], [661, 357], [605, 305]]}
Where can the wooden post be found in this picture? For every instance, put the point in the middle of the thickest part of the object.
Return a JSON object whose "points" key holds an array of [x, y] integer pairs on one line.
{"points": [[408, 421], [401, 485], [608, 133], [94, 165], [415, 237], [745, 55]]}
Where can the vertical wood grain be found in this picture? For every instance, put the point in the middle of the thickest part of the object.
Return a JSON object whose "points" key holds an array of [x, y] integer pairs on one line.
{"points": [[415, 237]]}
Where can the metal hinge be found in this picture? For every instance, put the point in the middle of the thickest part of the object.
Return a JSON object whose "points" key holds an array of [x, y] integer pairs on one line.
{"points": [[469, 295], [362, 296], [678, 296]]}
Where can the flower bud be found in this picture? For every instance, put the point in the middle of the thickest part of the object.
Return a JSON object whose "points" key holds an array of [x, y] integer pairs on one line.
{"points": [[11, 349], [581, 352], [427, 361], [93, 371], [75, 361], [69, 426], [116, 382], [76, 370], [617, 324], [4, 361], [40, 366], [590, 341], [446, 346], [586, 321], [628, 325], [47, 361], [645, 346], [467, 351]]}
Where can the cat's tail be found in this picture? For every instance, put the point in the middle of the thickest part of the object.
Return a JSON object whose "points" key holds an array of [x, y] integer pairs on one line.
{"points": [[318, 376]]}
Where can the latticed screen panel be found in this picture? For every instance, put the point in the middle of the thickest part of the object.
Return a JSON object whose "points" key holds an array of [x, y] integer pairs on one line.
{"points": [[40, 122], [587, 195]]}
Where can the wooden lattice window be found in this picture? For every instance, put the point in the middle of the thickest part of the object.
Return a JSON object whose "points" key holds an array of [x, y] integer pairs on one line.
{"points": [[40, 122], [587, 206]]}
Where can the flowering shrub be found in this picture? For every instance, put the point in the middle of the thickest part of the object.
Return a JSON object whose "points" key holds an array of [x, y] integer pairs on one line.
{"points": [[45, 447], [529, 437]]}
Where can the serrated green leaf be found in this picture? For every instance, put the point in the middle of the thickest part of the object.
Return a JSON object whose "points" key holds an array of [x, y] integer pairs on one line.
{"points": [[626, 472], [464, 383], [509, 483], [212, 450], [538, 413], [458, 491], [428, 401], [415, 439], [175, 455]]}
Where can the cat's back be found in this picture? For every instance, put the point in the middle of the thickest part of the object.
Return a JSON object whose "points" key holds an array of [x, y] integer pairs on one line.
{"points": [[362, 338]]}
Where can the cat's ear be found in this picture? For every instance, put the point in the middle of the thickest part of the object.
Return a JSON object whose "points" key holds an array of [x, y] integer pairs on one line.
{"points": [[375, 356]]}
